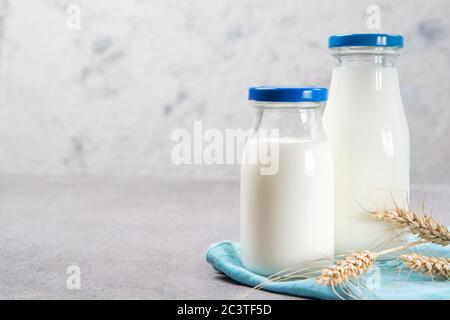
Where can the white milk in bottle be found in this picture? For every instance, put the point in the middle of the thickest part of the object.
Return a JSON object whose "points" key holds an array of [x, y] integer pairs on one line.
{"points": [[368, 132], [287, 182]]}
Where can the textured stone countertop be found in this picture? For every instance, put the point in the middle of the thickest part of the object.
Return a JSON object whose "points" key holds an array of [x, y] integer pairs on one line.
{"points": [[134, 238]]}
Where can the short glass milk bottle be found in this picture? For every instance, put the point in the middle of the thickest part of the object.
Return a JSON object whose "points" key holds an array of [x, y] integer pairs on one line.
{"points": [[368, 133], [287, 181]]}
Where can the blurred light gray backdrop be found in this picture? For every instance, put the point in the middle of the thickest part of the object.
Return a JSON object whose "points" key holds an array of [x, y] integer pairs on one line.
{"points": [[104, 99]]}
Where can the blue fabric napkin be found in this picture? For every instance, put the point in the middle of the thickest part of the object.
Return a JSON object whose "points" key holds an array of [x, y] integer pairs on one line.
{"points": [[383, 281]]}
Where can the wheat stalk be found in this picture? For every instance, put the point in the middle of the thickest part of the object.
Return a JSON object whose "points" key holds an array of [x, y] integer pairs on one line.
{"points": [[426, 227], [434, 266]]}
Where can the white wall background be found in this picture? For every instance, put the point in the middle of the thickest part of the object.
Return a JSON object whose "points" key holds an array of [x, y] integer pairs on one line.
{"points": [[104, 100]]}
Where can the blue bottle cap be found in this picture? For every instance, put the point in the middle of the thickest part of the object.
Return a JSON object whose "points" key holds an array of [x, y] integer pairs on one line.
{"points": [[365, 40], [288, 94]]}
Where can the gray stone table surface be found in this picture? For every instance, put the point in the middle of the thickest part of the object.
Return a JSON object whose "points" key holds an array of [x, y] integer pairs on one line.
{"points": [[133, 238]]}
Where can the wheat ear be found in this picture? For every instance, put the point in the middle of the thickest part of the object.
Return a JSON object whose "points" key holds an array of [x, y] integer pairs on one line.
{"points": [[433, 266], [426, 227], [354, 265]]}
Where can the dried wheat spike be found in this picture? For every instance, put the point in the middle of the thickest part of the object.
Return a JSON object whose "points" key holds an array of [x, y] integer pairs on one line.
{"points": [[352, 266], [426, 227], [433, 266]]}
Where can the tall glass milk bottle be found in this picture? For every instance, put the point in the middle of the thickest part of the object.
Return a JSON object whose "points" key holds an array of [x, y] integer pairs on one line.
{"points": [[368, 133], [287, 181]]}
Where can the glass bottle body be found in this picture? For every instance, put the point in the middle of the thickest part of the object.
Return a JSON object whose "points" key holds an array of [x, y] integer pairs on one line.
{"points": [[287, 213], [368, 133]]}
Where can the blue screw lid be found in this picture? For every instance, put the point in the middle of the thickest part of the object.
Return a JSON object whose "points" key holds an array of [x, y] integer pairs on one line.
{"points": [[288, 94], [365, 40]]}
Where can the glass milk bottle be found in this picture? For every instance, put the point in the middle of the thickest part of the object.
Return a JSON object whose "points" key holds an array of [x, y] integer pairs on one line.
{"points": [[287, 181], [368, 132]]}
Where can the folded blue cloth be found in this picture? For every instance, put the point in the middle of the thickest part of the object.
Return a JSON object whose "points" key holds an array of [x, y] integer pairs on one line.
{"points": [[383, 281]]}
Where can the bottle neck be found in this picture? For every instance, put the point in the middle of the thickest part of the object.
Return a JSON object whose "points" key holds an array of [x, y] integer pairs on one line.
{"points": [[290, 122], [365, 57]]}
